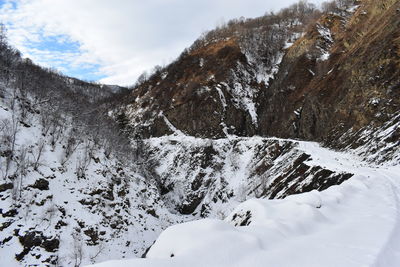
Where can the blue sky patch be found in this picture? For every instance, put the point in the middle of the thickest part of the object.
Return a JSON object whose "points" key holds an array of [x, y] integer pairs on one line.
{"points": [[56, 51]]}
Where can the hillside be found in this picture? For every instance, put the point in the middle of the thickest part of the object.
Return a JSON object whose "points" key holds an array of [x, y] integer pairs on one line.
{"points": [[268, 137], [287, 75], [353, 224], [69, 191], [296, 74]]}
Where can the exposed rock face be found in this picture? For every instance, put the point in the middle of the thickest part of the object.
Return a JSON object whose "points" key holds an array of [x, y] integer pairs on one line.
{"points": [[189, 95], [341, 75], [208, 177], [353, 88], [331, 77], [37, 239], [41, 184]]}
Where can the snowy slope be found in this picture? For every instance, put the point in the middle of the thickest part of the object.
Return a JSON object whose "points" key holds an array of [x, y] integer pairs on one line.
{"points": [[210, 177], [87, 205], [62, 212], [72, 192], [353, 224], [70, 208]]}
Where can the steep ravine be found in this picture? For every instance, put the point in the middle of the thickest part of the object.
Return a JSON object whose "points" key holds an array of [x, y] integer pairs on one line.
{"points": [[246, 112], [207, 177], [336, 74]]}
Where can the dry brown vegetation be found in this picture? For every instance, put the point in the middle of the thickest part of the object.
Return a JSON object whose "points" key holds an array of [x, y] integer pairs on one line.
{"points": [[329, 96]]}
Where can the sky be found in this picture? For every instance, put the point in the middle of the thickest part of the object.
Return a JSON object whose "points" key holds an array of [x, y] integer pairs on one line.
{"points": [[114, 41]]}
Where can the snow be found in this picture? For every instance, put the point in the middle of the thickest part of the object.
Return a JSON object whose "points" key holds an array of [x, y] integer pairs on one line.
{"points": [[170, 125], [353, 224], [374, 101], [378, 146], [221, 96], [229, 171], [241, 85], [293, 38], [353, 8], [201, 62], [263, 72], [288, 45], [326, 35], [247, 102], [324, 56], [134, 228], [164, 75]]}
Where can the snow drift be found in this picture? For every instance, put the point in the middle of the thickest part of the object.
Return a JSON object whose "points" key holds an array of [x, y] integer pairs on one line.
{"points": [[352, 224]]}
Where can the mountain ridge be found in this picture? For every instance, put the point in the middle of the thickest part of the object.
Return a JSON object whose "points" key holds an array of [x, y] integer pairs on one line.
{"points": [[315, 93], [248, 111]]}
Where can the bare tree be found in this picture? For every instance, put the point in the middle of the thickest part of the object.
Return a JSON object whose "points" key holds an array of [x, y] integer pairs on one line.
{"points": [[50, 213], [99, 251], [40, 148], [9, 136], [56, 131], [142, 78], [3, 35], [84, 160], [22, 163], [77, 249], [72, 144]]}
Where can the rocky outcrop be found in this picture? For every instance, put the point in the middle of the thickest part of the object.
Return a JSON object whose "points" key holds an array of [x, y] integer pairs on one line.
{"points": [[207, 177], [353, 88], [337, 74]]}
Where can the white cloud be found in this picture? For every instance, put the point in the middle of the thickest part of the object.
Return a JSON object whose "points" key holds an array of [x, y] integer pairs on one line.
{"points": [[125, 37]]}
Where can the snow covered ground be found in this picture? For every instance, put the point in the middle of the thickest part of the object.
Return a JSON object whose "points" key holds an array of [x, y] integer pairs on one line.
{"points": [[58, 215], [111, 212], [83, 207], [354, 224]]}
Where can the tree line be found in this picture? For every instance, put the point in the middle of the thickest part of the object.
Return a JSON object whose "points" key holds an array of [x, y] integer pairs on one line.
{"points": [[71, 113], [263, 36]]}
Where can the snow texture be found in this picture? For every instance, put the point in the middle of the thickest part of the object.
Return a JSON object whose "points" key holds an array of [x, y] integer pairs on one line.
{"points": [[327, 38], [108, 212], [353, 224]]}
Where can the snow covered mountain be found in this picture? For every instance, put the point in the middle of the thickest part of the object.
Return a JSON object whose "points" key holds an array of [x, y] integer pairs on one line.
{"points": [[352, 224], [67, 197], [268, 137], [297, 74]]}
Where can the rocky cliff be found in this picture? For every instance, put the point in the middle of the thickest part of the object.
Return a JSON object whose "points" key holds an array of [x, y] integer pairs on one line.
{"points": [[328, 76], [312, 75], [225, 122]]}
